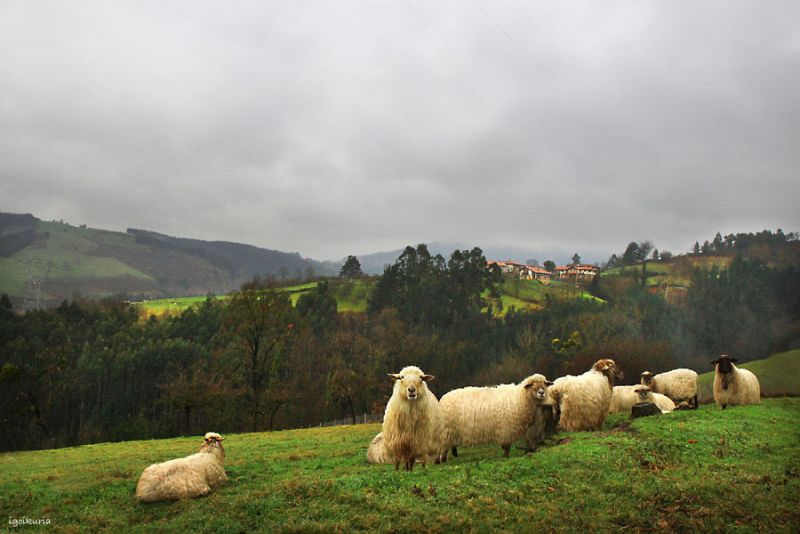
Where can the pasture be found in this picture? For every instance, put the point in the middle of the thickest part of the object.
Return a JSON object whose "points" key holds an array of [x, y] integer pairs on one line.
{"points": [[698, 470]]}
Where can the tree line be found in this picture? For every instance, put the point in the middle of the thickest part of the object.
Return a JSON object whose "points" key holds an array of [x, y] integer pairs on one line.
{"points": [[90, 371]]}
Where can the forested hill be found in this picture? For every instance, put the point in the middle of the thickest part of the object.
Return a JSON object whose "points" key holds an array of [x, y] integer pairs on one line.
{"points": [[70, 260]]}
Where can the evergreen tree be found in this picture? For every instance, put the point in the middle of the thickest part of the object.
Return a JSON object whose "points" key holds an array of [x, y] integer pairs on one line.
{"points": [[351, 268]]}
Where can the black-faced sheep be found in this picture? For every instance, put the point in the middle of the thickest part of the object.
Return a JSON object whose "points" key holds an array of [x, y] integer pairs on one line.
{"points": [[185, 478], [499, 414], [678, 384], [412, 424], [582, 402], [733, 386]]}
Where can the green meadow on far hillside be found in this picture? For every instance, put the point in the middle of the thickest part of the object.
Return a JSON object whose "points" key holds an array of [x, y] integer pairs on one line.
{"points": [[533, 295], [351, 296], [65, 252], [676, 272], [699, 470], [778, 375]]}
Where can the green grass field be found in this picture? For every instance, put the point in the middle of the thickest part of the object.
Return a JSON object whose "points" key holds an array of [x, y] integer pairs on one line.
{"points": [[533, 295], [704, 470], [350, 297], [675, 273], [778, 375]]}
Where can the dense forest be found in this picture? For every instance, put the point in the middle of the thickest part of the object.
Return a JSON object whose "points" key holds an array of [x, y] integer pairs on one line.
{"points": [[90, 371]]}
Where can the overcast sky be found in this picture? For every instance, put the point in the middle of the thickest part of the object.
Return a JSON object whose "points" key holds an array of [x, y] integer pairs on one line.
{"points": [[348, 127]]}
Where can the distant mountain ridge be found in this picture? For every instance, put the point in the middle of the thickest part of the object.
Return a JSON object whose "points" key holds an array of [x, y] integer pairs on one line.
{"points": [[61, 261]]}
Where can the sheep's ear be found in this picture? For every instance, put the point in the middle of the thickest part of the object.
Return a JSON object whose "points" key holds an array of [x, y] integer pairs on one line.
{"points": [[395, 376], [734, 360], [715, 362], [427, 378], [528, 385], [548, 383]]}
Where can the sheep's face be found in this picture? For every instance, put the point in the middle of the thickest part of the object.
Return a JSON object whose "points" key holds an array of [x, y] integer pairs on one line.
{"points": [[212, 441], [724, 367], [610, 369], [643, 394], [410, 382], [537, 385], [647, 379]]}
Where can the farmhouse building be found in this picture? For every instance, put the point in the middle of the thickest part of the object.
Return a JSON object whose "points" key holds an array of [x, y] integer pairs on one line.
{"points": [[580, 271], [525, 272]]}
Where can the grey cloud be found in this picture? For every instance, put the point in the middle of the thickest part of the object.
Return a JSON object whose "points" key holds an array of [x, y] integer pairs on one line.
{"points": [[339, 127]]}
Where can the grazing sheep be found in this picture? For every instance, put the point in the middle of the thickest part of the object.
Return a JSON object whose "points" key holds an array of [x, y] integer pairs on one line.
{"points": [[582, 402], [678, 384], [734, 386], [184, 478], [500, 414], [412, 424]]}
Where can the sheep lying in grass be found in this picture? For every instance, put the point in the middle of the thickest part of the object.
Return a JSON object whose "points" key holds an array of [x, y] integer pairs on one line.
{"points": [[582, 402], [733, 386], [185, 478], [664, 403], [623, 398], [412, 424], [377, 453], [678, 384], [500, 414]]}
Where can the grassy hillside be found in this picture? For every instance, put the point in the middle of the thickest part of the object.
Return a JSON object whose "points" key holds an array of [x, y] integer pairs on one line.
{"points": [[350, 297], [353, 296], [533, 295], [778, 376], [676, 272], [97, 263], [703, 470], [65, 255]]}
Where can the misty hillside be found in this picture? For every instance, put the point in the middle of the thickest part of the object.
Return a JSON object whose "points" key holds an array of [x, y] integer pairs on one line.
{"points": [[69, 260]]}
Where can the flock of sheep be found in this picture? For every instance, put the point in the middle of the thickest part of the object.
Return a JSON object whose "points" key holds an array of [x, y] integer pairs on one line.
{"points": [[418, 427]]}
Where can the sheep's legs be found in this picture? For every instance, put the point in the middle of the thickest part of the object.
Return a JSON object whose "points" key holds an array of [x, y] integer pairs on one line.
{"points": [[455, 452], [506, 450], [695, 402]]}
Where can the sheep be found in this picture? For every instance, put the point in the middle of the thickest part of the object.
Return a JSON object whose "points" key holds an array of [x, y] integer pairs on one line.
{"points": [[184, 478], [664, 403], [544, 426], [500, 414], [624, 397], [734, 386], [678, 384], [412, 424], [376, 452], [582, 402]]}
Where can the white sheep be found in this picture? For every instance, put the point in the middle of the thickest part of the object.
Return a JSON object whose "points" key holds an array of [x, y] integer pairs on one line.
{"points": [[376, 452], [583, 401], [412, 424], [500, 414], [678, 384], [185, 478], [664, 403], [733, 386], [623, 398]]}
